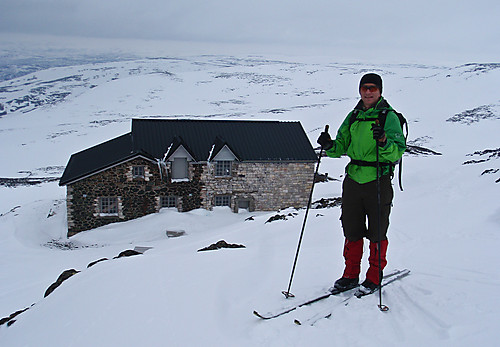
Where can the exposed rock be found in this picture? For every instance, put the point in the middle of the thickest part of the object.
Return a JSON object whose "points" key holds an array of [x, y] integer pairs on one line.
{"points": [[12, 210], [220, 244], [10, 319], [486, 155], [68, 273], [60, 244], [327, 203], [127, 253], [96, 261], [490, 171], [280, 217], [62, 277], [475, 115], [419, 150], [478, 68], [323, 178], [26, 181]]}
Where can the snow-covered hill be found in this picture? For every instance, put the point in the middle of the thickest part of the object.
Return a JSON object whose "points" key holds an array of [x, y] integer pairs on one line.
{"points": [[444, 226]]}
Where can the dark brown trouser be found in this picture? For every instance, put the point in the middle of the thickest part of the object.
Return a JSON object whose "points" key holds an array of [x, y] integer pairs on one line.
{"points": [[359, 201]]}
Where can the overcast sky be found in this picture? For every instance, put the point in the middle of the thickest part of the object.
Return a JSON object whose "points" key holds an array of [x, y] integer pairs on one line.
{"points": [[470, 25]]}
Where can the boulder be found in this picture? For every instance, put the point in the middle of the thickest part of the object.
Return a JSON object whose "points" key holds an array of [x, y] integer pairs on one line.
{"points": [[62, 277]]}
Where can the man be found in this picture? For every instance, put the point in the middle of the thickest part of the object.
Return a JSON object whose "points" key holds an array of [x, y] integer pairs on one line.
{"points": [[359, 135]]}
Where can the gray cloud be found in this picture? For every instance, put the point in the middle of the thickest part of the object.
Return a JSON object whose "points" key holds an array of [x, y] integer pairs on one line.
{"points": [[328, 22]]}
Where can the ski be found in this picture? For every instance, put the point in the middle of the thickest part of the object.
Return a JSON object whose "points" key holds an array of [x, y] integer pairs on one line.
{"points": [[324, 295], [285, 310], [389, 278], [360, 293], [324, 313]]}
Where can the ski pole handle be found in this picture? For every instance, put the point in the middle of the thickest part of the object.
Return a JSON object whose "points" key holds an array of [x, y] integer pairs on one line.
{"points": [[326, 131]]}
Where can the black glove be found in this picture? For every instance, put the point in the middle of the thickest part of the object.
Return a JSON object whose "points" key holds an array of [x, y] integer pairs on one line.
{"points": [[379, 134], [325, 141]]}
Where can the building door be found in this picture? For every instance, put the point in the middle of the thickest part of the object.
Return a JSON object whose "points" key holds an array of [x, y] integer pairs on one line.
{"points": [[244, 204]]}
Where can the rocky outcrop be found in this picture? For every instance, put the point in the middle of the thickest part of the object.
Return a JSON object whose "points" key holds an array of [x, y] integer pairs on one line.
{"points": [[62, 277], [220, 244]]}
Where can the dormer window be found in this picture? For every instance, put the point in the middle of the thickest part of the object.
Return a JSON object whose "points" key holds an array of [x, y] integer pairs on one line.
{"points": [[179, 168], [222, 157], [179, 160], [223, 168]]}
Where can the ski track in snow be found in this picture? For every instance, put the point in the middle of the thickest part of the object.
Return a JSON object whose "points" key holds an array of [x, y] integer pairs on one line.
{"points": [[423, 317]]}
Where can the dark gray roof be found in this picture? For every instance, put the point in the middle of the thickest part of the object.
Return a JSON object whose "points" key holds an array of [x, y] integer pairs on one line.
{"points": [[96, 158], [248, 140]]}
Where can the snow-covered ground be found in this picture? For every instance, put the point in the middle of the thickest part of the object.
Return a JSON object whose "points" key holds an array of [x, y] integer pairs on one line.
{"points": [[444, 226]]}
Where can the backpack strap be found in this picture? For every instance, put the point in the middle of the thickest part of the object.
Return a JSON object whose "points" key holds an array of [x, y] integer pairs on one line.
{"points": [[382, 118], [352, 118], [402, 122]]}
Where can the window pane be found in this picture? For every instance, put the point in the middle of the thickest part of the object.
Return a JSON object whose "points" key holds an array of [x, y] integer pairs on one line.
{"points": [[138, 171], [179, 168], [168, 201], [222, 200], [108, 205], [223, 168]]}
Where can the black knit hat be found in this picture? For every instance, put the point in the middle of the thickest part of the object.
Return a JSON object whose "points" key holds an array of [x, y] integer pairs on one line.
{"points": [[372, 78]]}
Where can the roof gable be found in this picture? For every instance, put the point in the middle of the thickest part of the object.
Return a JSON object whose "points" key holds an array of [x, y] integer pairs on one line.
{"points": [[224, 153], [180, 152], [179, 148], [220, 148]]}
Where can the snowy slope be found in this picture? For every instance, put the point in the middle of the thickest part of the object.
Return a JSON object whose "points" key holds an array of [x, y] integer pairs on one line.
{"points": [[444, 226]]}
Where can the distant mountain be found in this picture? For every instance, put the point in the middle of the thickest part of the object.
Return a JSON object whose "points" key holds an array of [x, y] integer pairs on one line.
{"points": [[12, 66]]}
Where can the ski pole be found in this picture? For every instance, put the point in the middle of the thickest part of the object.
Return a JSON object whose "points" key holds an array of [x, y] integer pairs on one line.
{"points": [[287, 293], [382, 307]]}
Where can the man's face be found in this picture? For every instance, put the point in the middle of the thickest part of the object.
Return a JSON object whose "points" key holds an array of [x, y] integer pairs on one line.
{"points": [[370, 94]]}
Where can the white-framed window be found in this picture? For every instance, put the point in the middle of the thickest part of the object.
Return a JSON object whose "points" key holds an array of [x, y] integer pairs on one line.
{"points": [[223, 168], [108, 206], [138, 171], [222, 200], [168, 201]]}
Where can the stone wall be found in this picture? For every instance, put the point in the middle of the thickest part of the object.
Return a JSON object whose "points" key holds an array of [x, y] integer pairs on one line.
{"points": [[136, 196], [268, 186], [264, 186]]}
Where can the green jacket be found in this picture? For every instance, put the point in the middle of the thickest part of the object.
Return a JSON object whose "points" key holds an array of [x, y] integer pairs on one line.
{"points": [[357, 142]]}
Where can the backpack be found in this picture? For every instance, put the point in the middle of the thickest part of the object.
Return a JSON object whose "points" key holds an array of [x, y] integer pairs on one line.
{"points": [[382, 118]]}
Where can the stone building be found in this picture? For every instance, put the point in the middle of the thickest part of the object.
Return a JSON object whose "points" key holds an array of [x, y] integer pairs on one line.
{"points": [[189, 164]]}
